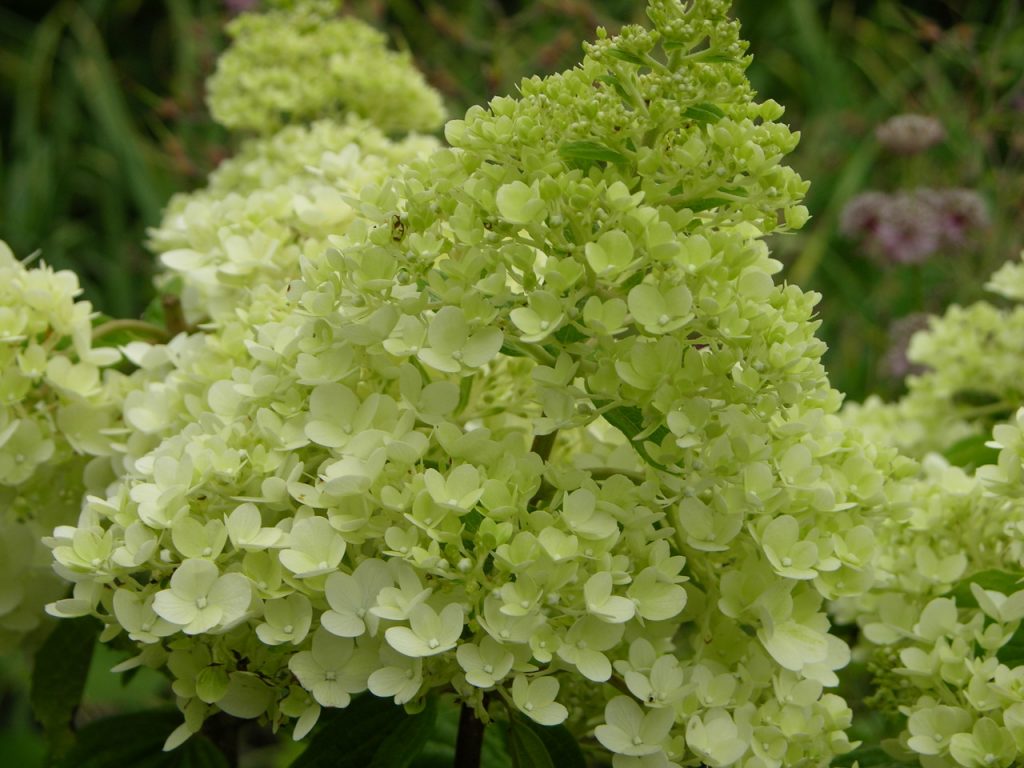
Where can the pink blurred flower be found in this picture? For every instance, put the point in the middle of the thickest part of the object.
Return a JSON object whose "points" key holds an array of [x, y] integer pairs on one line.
{"points": [[241, 6], [895, 362], [909, 227], [910, 134]]}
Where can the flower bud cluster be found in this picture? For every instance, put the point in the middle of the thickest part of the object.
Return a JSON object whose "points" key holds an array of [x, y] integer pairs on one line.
{"points": [[267, 207], [304, 63]]}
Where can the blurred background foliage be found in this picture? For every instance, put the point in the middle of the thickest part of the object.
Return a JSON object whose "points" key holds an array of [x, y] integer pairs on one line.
{"points": [[102, 118]]}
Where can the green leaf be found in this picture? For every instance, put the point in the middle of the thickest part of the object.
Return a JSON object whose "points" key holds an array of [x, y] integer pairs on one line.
{"points": [[525, 747], [439, 751], [972, 452], [369, 732], [703, 204], [586, 153], [58, 678], [510, 351], [632, 58], [560, 744], [407, 740], [975, 398], [569, 334], [629, 420], [704, 113], [137, 740], [1012, 654], [870, 757], [1005, 582], [615, 83]]}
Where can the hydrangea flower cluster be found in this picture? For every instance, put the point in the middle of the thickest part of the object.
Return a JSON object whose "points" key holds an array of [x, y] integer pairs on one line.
{"points": [[301, 63], [58, 408], [269, 206], [971, 377], [533, 423], [943, 621]]}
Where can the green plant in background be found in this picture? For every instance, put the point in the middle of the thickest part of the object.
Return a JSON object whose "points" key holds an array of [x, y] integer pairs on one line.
{"points": [[103, 118]]}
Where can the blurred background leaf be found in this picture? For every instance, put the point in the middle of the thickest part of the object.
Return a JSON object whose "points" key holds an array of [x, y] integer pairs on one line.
{"points": [[102, 118]]}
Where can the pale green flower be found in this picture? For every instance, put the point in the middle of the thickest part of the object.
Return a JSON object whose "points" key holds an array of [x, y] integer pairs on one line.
{"points": [[584, 644], [602, 604], [352, 597], [399, 677], [485, 664], [330, 670], [535, 698], [314, 548], [451, 348], [660, 312], [519, 203], [286, 620], [629, 730], [136, 614], [429, 633], [245, 529], [931, 728], [986, 745], [717, 738], [200, 599]]}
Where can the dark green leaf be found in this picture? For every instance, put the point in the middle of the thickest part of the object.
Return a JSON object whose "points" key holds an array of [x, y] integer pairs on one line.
{"points": [[629, 420], [972, 452], [632, 58], [525, 747], [407, 740], [615, 83], [58, 677], [509, 351], [870, 757], [568, 334], [439, 751], [560, 744], [704, 204], [1012, 654], [704, 113], [675, 45], [589, 152], [975, 398], [137, 740], [369, 732], [634, 279], [1005, 582]]}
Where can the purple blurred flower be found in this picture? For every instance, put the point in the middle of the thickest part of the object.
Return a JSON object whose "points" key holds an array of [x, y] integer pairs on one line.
{"points": [[963, 212], [241, 6], [895, 362], [909, 134], [908, 227]]}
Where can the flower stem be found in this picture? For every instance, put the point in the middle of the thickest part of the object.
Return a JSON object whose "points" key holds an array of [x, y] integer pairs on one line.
{"points": [[135, 326], [470, 741]]}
